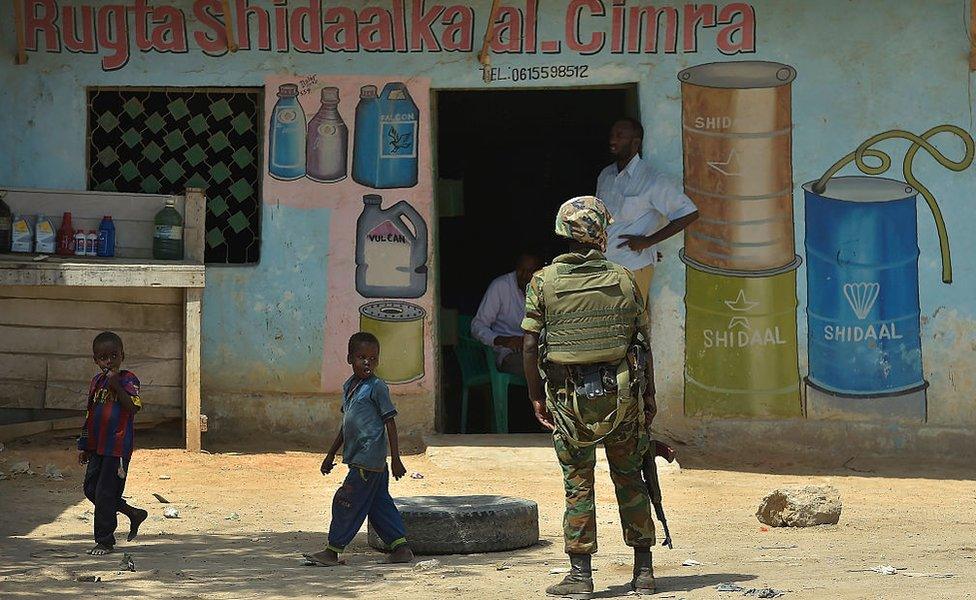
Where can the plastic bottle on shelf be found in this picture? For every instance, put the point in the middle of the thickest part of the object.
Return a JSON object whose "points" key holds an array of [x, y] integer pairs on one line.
{"points": [[81, 240], [106, 237], [6, 224], [66, 236], [168, 233], [45, 236]]}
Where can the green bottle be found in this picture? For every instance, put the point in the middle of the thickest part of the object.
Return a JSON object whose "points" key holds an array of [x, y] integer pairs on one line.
{"points": [[6, 224], [168, 233]]}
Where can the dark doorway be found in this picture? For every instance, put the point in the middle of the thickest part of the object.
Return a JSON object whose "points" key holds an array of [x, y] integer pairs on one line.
{"points": [[506, 160]]}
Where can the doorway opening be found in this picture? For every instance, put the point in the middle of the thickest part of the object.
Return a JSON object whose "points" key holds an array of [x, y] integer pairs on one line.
{"points": [[506, 160]]}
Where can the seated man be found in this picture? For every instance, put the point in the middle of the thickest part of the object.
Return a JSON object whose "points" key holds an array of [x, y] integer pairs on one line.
{"points": [[499, 319]]}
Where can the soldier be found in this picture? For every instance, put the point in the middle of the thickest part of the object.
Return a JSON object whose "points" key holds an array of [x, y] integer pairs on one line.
{"points": [[586, 329]]}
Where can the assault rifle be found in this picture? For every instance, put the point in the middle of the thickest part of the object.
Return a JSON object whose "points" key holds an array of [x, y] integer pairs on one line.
{"points": [[649, 471], [637, 357]]}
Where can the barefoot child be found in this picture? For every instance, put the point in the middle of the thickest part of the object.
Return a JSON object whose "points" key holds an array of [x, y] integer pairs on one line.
{"points": [[106, 441], [367, 424]]}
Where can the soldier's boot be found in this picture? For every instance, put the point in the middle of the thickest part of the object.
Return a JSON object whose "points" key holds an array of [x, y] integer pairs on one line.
{"points": [[643, 581], [578, 584]]}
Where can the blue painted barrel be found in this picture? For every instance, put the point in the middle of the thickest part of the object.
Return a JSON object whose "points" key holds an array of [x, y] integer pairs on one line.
{"points": [[864, 337]]}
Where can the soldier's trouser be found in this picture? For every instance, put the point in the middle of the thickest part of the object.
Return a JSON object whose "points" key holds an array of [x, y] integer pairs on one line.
{"points": [[624, 449]]}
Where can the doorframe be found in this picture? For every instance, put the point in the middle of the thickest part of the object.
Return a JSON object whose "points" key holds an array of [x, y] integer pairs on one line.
{"points": [[632, 99]]}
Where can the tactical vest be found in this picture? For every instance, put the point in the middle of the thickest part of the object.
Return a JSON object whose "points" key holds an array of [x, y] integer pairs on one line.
{"points": [[590, 311]]}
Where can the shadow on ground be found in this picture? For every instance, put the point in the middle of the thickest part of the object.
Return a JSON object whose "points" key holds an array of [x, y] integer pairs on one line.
{"points": [[264, 564]]}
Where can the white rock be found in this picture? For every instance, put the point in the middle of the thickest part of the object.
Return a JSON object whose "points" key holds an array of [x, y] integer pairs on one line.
{"points": [[801, 506], [171, 513], [691, 563], [52, 472], [427, 565], [20, 468], [164, 477]]}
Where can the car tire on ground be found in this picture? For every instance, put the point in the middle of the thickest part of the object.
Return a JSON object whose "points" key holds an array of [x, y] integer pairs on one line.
{"points": [[465, 524]]}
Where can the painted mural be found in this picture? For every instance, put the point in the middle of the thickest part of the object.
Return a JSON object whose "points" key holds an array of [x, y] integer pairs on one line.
{"points": [[740, 262], [275, 331], [377, 256], [865, 351], [864, 340]]}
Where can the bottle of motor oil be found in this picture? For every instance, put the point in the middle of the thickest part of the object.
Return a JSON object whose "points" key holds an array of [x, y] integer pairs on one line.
{"points": [[22, 234], [45, 236], [328, 141], [385, 148], [286, 146], [81, 240], [391, 250], [6, 224], [66, 236], [168, 233], [106, 237]]}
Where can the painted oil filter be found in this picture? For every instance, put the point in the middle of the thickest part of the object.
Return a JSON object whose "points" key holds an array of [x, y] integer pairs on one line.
{"points": [[862, 301], [399, 326], [737, 138], [740, 342]]}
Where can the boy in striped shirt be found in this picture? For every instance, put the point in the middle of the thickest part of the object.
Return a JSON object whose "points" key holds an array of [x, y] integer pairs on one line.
{"points": [[106, 441]]}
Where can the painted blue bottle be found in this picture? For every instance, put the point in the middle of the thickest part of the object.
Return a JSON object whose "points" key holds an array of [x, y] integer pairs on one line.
{"points": [[106, 237], [385, 144], [286, 148]]}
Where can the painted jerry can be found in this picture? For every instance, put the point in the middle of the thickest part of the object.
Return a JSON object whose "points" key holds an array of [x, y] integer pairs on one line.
{"points": [[385, 138], [741, 342], [863, 302], [391, 250]]}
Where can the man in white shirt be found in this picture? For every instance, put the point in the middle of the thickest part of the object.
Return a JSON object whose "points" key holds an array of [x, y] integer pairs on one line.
{"points": [[647, 206], [498, 322]]}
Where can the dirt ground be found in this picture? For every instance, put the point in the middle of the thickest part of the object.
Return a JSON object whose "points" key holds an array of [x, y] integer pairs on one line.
{"points": [[246, 517]]}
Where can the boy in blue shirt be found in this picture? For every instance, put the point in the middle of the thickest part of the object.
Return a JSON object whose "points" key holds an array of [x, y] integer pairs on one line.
{"points": [[368, 425]]}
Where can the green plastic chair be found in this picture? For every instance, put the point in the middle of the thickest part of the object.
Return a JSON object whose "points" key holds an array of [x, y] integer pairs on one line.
{"points": [[478, 367]]}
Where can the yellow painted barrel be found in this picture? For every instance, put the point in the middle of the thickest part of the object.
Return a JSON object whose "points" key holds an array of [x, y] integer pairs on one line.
{"points": [[737, 138], [399, 327], [741, 343]]}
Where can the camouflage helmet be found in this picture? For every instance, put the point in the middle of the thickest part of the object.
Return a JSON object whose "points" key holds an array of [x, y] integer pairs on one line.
{"points": [[584, 219]]}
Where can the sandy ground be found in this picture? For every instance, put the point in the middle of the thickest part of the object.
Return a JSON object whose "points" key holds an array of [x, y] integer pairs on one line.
{"points": [[246, 517]]}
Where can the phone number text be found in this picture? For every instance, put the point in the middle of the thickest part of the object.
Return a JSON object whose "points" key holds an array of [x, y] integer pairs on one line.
{"points": [[536, 73]]}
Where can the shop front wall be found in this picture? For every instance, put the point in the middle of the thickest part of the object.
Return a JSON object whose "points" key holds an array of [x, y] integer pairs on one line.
{"points": [[341, 244]]}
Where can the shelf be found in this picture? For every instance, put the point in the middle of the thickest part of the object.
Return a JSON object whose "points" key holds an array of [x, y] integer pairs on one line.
{"points": [[16, 269]]}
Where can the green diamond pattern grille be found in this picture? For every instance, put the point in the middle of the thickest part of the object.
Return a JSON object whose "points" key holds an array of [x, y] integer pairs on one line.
{"points": [[162, 140]]}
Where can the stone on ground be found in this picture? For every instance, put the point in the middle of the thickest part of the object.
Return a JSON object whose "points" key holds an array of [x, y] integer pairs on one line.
{"points": [[801, 506]]}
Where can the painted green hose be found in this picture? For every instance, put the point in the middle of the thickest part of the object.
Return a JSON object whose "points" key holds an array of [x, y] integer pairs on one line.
{"points": [[884, 162]]}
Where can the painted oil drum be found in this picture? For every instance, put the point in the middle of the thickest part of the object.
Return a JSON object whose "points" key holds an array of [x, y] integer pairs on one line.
{"points": [[862, 301], [740, 342], [737, 138], [399, 326]]}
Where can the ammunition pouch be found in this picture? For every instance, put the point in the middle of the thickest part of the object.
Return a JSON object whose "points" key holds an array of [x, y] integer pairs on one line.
{"points": [[589, 381]]}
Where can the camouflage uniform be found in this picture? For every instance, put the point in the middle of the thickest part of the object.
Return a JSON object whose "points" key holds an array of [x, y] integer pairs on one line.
{"points": [[626, 444]]}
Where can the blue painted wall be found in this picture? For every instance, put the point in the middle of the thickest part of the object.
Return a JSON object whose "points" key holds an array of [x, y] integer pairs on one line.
{"points": [[264, 325], [863, 68]]}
